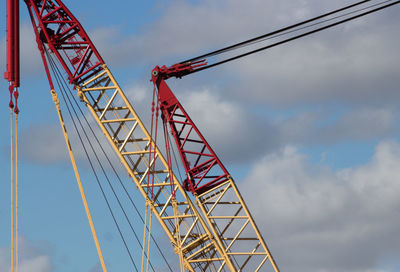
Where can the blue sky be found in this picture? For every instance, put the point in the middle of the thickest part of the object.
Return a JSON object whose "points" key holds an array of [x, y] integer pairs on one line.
{"points": [[310, 130]]}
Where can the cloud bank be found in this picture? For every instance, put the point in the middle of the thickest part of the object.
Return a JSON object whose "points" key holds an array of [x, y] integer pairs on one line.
{"points": [[32, 258], [316, 219]]}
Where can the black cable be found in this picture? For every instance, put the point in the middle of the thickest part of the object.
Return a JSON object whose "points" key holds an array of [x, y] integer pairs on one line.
{"points": [[291, 39], [113, 190], [177, 166], [88, 157], [173, 153], [104, 172], [91, 165], [107, 178], [95, 136], [309, 26], [119, 179], [234, 46], [133, 204]]}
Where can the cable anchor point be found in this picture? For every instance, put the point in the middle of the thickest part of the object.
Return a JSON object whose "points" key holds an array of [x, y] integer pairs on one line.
{"points": [[11, 104], [16, 95]]}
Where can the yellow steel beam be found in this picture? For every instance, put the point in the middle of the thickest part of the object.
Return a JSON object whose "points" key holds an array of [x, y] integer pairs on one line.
{"points": [[221, 214], [78, 180], [108, 104]]}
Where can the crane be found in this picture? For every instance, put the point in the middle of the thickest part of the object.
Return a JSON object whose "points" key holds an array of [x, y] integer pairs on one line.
{"points": [[204, 216], [190, 229]]}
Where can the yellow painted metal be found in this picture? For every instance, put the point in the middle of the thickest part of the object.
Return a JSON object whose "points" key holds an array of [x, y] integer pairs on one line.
{"points": [[229, 218], [149, 241], [131, 142], [259, 236], [16, 195], [144, 236], [178, 236], [12, 188], [78, 179], [213, 231]]}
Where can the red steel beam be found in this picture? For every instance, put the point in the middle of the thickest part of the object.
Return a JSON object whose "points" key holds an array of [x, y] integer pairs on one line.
{"points": [[9, 74], [12, 74], [16, 56], [59, 32]]}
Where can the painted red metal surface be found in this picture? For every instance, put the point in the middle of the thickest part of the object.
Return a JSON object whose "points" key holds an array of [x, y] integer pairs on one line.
{"points": [[177, 70], [12, 73], [203, 168], [58, 30], [16, 56], [9, 74]]}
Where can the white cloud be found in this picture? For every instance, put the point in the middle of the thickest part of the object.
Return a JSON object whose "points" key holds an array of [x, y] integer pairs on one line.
{"points": [[351, 66], [237, 134], [32, 258], [320, 220], [315, 219], [186, 28], [31, 62], [43, 144], [354, 66], [354, 63], [365, 123], [332, 126]]}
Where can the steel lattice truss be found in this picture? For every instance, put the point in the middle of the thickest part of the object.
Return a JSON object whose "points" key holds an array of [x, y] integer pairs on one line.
{"points": [[212, 229]]}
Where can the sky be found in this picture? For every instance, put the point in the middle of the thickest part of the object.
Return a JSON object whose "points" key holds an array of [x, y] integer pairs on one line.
{"points": [[309, 130]]}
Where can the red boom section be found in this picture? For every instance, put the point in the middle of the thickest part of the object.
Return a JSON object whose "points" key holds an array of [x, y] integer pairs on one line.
{"points": [[203, 168], [57, 28]]}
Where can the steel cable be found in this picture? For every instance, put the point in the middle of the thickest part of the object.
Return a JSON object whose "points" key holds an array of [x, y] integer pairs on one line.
{"points": [[234, 46], [63, 93], [126, 191], [118, 178], [311, 25], [258, 39]]}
